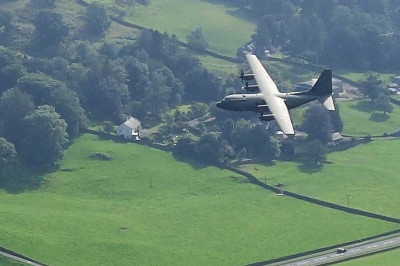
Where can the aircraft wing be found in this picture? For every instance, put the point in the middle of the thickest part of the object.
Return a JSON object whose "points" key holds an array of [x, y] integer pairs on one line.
{"points": [[270, 92]]}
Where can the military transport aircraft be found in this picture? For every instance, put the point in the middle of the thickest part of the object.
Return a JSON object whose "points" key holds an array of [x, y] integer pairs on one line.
{"points": [[272, 104]]}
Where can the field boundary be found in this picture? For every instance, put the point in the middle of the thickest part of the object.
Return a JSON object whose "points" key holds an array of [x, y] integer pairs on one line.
{"points": [[320, 250], [21, 258], [181, 43], [253, 180]]}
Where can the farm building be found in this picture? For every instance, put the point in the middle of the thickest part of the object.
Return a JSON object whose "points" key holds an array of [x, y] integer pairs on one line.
{"points": [[337, 86], [397, 80], [130, 129]]}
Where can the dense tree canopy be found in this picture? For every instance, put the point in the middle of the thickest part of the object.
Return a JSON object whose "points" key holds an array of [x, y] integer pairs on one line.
{"points": [[8, 156], [45, 141], [49, 28], [97, 18]]}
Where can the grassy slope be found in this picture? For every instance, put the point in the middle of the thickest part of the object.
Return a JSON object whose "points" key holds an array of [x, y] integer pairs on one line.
{"points": [[144, 207], [223, 27], [367, 173], [387, 258]]}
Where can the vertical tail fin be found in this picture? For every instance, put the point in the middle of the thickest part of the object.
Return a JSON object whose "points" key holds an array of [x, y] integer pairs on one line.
{"points": [[323, 86], [323, 90]]}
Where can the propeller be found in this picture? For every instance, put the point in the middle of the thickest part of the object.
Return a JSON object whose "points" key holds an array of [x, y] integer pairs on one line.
{"points": [[241, 75]]}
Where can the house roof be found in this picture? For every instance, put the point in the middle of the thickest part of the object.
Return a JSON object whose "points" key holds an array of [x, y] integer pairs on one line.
{"points": [[132, 123]]}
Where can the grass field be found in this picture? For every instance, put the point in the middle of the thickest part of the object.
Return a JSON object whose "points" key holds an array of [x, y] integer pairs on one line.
{"points": [[364, 177], [359, 76], [144, 207], [386, 258], [359, 119], [224, 27]]}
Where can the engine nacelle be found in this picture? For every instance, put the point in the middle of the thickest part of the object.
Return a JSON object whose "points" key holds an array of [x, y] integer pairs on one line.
{"points": [[251, 88], [246, 77], [267, 117]]}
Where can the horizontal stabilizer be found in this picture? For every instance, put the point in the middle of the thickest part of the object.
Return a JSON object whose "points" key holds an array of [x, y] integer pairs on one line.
{"points": [[327, 102]]}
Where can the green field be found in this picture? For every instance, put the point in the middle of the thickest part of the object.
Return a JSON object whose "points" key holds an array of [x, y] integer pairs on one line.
{"points": [[143, 206], [364, 177], [225, 29], [359, 76], [360, 120], [386, 258]]}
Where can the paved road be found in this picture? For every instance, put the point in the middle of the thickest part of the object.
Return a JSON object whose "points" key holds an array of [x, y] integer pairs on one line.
{"points": [[352, 252], [26, 261]]}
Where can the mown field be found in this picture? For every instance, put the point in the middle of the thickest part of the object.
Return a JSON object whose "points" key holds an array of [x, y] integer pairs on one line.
{"points": [[144, 207], [223, 26], [364, 177], [386, 258]]}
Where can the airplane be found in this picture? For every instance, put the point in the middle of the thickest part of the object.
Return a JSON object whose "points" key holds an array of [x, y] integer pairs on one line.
{"points": [[272, 104]]}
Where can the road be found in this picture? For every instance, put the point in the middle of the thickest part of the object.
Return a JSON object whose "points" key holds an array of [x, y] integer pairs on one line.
{"points": [[26, 261], [327, 257]]}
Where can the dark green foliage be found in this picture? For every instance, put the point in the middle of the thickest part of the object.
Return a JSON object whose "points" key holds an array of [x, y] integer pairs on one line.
{"points": [[211, 148], [50, 29], [355, 34], [6, 24], [371, 87], [382, 103], [197, 40], [46, 90], [315, 152], [11, 69], [108, 127], [44, 142], [317, 124], [8, 157], [42, 3], [202, 85], [97, 19], [109, 50], [105, 96], [14, 106]]}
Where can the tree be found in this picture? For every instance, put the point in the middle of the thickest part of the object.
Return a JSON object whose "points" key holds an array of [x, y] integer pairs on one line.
{"points": [[108, 127], [11, 69], [371, 87], [42, 3], [211, 148], [46, 90], [44, 142], [6, 24], [315, 152], [97, 19], [14, 106], [197, 40], [8, 156], [382, 103], [50, 28], [317, 124]]}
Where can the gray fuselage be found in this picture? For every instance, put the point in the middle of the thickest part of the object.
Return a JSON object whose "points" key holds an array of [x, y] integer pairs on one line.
{"points": [[255, 102]]}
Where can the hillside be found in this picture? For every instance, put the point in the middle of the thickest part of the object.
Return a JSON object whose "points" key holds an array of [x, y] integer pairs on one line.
{"points": [[144, 202]]}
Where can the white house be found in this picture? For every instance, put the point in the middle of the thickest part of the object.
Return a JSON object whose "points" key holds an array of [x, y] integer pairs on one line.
{"points": [[130, 129]]}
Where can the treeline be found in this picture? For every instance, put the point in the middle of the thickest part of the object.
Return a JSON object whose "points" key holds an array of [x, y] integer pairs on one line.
{"points": [[355, 34]]}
